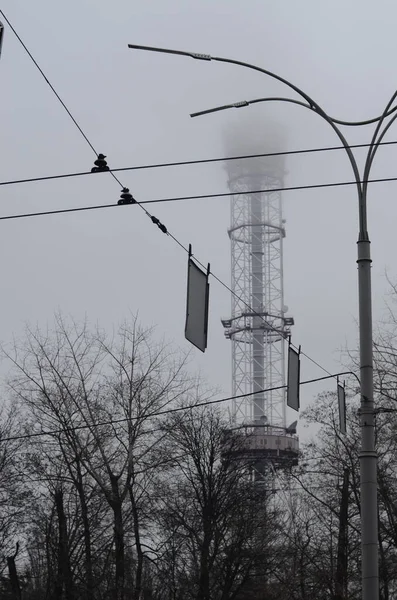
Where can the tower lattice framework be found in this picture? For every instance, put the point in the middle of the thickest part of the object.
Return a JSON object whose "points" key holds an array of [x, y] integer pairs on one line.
{"points": [[258, 326]]}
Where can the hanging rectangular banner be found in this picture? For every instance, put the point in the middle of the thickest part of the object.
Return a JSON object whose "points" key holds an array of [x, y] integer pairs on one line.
{"points": [[198, 289], [342, 408], [1, 35], [293, 378]]}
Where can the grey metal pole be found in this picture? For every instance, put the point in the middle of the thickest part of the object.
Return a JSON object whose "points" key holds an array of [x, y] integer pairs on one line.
{"points": [[368, 455]]}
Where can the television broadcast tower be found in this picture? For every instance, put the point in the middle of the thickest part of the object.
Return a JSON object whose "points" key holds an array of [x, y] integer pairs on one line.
{"points": [[259, 326]]}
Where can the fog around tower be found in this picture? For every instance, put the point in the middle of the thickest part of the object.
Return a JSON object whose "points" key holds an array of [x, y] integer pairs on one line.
{"points": [[249, 135]]}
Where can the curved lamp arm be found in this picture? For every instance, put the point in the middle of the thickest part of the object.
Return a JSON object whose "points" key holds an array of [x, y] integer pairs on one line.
{"points": [[376, 142], [247, 103], [208, 57], [301, 93], [367, 122]]}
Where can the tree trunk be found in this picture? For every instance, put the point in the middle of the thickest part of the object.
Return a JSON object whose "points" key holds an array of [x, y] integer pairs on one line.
{"points": [[58, 577], [53, 590], [137, 535], [118, 540], [204, 582], [341, 567], [63, 551], [302, 574], [384, 575], [89, 590], [13, 575]]}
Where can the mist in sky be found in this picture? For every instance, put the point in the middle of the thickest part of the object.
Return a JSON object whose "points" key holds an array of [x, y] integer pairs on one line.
{"points": [[134, 107]]}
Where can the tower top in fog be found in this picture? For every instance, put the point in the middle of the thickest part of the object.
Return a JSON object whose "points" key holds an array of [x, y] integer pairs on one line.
{"points": [[249, 135]]}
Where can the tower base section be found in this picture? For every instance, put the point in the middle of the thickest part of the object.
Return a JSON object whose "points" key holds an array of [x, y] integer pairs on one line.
{"points": [[262, 444]]}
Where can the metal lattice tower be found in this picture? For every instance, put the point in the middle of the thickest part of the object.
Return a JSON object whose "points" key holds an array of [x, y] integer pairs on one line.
{"points": [[258, 327]]}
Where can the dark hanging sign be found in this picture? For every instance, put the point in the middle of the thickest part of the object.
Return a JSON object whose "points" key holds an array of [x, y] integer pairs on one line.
{"points": [[198, 290], [1, 35], [293, 378], [342, 407]]}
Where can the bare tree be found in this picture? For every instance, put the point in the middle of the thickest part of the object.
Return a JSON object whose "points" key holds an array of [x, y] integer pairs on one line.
{"points": [[329, 476], [212, 519], [102, 395]]}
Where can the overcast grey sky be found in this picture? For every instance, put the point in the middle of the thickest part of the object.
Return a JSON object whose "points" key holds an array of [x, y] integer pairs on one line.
{"points": [[135, 108]]}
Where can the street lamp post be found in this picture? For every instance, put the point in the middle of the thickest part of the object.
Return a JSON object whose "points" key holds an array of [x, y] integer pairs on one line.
{"points": [[368, 456]]}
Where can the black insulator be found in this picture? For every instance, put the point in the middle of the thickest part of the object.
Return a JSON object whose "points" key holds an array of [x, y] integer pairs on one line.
{"points": [[126, 197], [159, 224], [101, 164]]}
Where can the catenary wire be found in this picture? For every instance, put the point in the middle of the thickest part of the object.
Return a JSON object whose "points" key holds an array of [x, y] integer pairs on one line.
{"points": [[197, 197], [183, 163], [160, 413], [154, 219], [47, 80], [54, 478]]}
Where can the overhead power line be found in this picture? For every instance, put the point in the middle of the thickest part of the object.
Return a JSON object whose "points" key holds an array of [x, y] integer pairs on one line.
{"points": [[169, 411], [195, 197], [47, 80], [183, 163]]}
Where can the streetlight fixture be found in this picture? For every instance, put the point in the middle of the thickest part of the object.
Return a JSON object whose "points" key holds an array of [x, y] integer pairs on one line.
{"points": [[368, 455]]}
